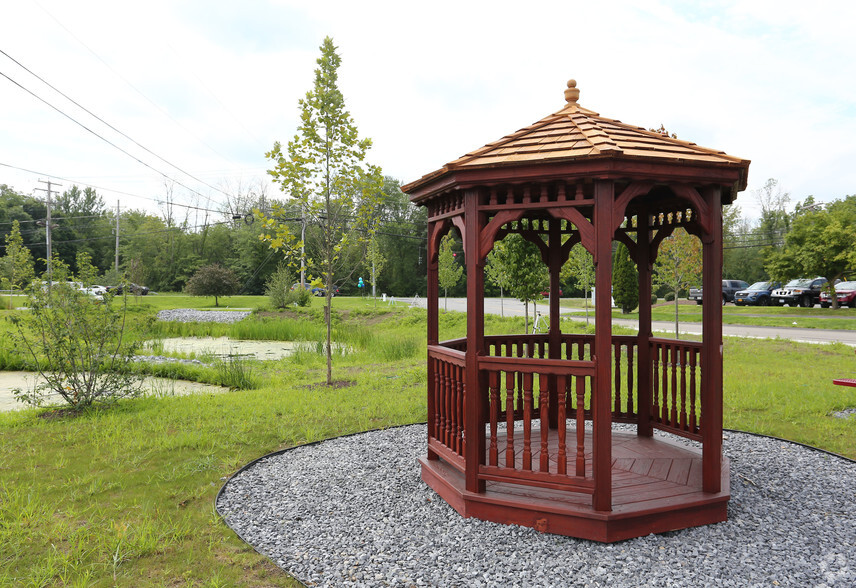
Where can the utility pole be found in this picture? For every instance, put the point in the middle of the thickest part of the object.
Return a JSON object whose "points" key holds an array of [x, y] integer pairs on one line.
{"points": [[48, 231], [117, 238]]}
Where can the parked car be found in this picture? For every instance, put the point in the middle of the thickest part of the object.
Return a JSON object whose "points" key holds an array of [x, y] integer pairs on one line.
{"points": [[844, 291], [802, 291], [315, 290], [758, 294], [132, 289], [729, 288]]}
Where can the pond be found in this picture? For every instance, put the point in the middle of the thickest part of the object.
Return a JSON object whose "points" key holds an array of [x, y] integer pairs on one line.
{"points": [[223, 347], [151, 386]]}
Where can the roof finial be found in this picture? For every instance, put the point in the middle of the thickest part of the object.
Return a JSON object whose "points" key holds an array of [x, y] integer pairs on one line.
{"points": [[572, 94]]}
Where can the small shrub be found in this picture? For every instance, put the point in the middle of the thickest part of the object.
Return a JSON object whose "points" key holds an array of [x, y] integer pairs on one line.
{"points": [[670, 296], [653, 299], [278, 285], [78, 345], [298, 296]]}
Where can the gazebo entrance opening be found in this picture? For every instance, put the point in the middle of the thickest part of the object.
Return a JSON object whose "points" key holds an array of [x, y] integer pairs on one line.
{"points": [[520, 427]]}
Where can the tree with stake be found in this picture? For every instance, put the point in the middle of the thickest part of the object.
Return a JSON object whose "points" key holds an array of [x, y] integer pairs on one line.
{"points": [[322, 169], [528, 276], [678, 264], [449, 272]]}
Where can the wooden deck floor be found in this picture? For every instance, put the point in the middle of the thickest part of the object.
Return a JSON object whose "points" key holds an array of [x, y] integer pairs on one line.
{"points": [[656, 487]]}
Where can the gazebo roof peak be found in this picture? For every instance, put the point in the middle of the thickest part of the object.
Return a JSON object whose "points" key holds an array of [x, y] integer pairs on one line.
{"points": [[575, 133]]}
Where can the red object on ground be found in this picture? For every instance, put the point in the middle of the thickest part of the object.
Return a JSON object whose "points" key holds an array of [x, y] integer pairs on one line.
{"points": [[845, 382]]}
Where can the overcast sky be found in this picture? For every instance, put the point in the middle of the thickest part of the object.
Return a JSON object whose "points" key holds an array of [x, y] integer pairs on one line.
{"points": [[208, 86]]}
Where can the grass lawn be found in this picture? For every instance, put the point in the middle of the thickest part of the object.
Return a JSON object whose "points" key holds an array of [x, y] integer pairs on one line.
{"points": [[124, 495], [763, 316]]}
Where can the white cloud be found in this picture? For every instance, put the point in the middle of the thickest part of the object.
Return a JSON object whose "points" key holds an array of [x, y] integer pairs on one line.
{"points": [[768, 81]]}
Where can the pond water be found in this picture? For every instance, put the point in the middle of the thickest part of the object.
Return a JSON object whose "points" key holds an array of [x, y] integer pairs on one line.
{"points": [[151, 387], [224, 347]]}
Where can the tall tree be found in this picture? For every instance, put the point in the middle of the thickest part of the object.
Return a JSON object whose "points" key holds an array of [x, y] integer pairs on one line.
{"points": [[449, 271], [528, 276], [580, 269], [323, 169], [17, 266], [679, 264], [625, 280], [820, 243]]}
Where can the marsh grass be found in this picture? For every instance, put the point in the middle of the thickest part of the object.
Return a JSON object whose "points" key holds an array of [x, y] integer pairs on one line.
{"points": [[123, 496]]}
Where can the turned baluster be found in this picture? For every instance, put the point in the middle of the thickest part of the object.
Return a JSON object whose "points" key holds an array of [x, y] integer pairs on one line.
{"points": [[527, 421]]}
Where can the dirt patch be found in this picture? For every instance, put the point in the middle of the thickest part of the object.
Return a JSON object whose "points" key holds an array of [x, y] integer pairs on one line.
{"points": [[336, 384]]}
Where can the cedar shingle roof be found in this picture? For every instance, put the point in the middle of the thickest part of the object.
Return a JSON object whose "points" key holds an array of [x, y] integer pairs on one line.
{"points": [[575, 133]]}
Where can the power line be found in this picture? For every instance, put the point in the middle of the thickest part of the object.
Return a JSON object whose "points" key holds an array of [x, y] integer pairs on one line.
{"points": [[89, 112], [134, 157], [110, 190]]}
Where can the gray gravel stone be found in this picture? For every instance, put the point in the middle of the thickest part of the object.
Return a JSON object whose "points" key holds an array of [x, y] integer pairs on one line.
{"points": [[187, 315], [353, 511]]}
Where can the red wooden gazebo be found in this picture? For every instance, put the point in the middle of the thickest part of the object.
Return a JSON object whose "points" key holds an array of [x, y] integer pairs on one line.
{"points": [[520, 426]]}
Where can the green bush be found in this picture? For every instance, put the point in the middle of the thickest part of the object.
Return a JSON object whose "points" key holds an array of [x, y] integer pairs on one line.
{"points": [[298, 296], [78, 345], [670, 296], [653, 299]]}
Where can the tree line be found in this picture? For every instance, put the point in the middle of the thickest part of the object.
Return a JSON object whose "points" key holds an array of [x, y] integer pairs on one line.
{"points": [[164, 250]]}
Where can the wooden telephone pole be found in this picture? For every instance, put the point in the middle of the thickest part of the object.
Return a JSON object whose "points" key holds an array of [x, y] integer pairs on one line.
{"points": [[48, 227]]}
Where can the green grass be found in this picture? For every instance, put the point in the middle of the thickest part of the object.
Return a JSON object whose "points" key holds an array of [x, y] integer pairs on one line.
{"points": [[775, 316], [124, 496]]}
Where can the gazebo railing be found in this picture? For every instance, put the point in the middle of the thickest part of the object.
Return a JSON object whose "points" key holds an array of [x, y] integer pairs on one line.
{"points": [[524, 441], [676, 387], [518, 397]]}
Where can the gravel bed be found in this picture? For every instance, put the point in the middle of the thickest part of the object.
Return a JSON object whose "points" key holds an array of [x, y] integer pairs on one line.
{"points": [[187, 315], [353, 511]]}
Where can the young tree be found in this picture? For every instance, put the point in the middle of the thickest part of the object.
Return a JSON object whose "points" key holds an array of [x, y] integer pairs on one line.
{"points": [[449, 271], [580, 269], [678, 264], [527, 274], [213, 280], [625, 280], [497, 271], [323, 171], [17, 266]]}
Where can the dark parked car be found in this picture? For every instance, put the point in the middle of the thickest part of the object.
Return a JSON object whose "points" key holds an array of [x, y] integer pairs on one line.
{"points": [[802, 291], [844, 291], [132, 289], [758, 294], [315, 290], [729, 288]]}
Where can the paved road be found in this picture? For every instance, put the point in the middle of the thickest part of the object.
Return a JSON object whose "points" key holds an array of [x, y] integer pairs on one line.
{"points": [[510, 307]]}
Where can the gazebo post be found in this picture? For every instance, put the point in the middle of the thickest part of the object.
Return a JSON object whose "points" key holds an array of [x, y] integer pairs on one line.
{"points": [[643, 341], [475, 384], [433, 327], [711, 352], [604, 194], [555, 347]]}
